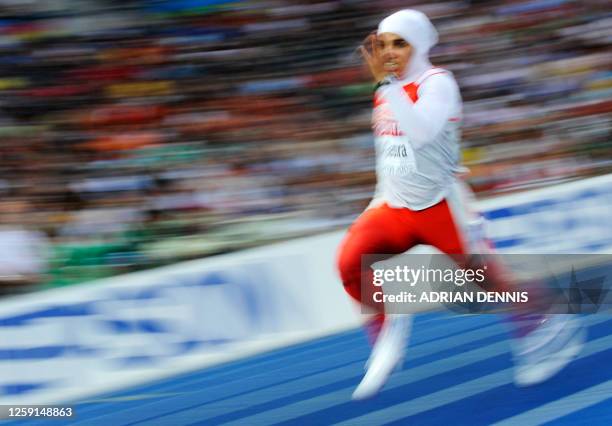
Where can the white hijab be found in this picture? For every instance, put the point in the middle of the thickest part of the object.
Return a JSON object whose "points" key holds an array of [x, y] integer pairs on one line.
{"points": [[414, 27]]}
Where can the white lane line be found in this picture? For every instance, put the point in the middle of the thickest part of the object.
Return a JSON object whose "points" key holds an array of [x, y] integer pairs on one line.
{"points": [[404, 377], [561, 407], [284, 368], [352, 370], [319, 352], [270, 394], [457, 392]]}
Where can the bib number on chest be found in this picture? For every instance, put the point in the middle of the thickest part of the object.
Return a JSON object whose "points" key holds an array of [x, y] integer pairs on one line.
{"points": [[397, 157]]}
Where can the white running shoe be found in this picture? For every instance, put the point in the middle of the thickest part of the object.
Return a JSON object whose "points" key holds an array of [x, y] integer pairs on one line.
{"points": [[548, 349], [387, 355]]}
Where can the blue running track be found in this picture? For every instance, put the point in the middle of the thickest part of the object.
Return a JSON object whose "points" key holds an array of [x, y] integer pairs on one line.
{"points": [[458, 371]]}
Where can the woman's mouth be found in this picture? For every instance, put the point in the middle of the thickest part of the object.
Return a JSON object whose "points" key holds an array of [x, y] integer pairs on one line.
{"points": [[390, 66]]}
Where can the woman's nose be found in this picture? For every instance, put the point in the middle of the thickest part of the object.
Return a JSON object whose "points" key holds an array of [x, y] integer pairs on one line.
{"points": [[388, 52]]}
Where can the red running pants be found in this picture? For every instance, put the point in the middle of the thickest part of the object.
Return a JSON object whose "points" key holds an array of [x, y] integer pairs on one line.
{"points": [[392, 231]]}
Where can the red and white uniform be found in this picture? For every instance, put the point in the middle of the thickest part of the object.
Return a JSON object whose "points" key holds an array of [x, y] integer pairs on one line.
{"points": [[416, 129], [418, 199]]}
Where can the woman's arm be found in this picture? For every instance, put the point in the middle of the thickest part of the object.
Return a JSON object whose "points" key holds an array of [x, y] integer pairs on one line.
{"points": [[421, 121]]}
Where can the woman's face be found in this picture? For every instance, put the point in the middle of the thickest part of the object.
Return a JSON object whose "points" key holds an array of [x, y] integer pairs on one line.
{"points": [[394, 51]]}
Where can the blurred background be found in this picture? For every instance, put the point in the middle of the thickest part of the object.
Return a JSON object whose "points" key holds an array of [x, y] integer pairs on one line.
{"points": [[141, 133]]}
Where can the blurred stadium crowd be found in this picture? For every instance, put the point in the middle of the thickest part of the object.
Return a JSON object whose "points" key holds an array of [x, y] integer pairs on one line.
{"points": [[139, 133]]}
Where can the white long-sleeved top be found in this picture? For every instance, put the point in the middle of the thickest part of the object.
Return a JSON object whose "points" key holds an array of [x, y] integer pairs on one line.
{"points": [[416, 127]]}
